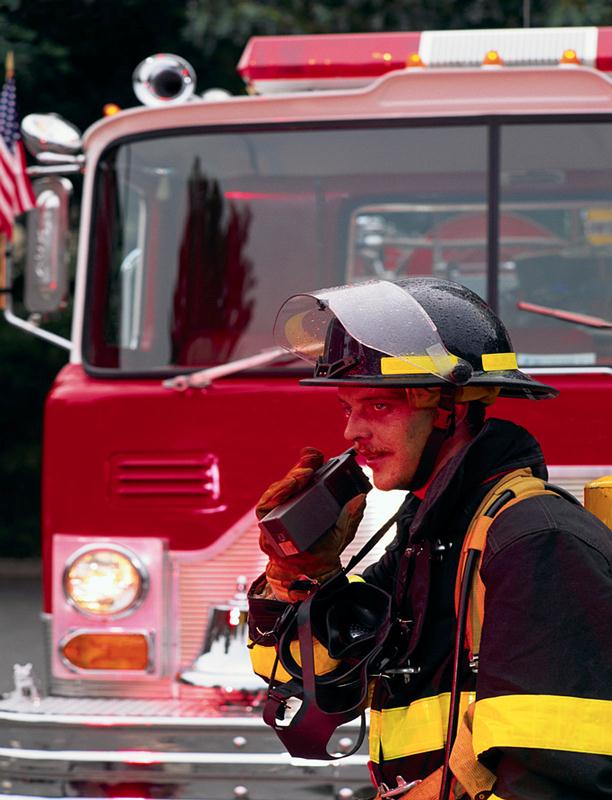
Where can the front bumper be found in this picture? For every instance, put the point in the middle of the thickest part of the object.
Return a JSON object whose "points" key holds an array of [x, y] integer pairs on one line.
{"points": [[63, 747]]}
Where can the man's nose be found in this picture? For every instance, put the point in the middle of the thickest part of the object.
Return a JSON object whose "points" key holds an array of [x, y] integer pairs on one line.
{"points": [[355, 429]]}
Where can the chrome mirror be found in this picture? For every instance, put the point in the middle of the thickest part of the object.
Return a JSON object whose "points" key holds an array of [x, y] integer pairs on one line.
{"points": [[43, 133], [46, 270]]}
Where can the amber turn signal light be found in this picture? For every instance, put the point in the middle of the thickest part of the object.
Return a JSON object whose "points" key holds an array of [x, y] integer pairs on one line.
{"points": [[107, 651]]}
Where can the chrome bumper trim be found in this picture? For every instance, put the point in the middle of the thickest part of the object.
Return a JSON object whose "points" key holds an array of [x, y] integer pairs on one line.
{"points": [[108, 721], [144, 758]]}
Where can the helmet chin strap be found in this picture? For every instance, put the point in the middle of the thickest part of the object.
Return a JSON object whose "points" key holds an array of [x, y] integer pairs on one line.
{"points": [[443, 429]]}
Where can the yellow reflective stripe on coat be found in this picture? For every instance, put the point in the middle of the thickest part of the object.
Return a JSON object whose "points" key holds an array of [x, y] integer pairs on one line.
{"points": [[546, 722], [263, 658], [417, 728]]}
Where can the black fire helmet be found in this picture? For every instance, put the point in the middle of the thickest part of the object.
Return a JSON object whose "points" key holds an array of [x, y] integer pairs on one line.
{"points": [[406, 333]]}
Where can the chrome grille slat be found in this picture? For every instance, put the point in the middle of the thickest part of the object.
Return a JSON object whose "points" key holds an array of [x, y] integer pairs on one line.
{"points": [[573, 478], [201, 587], [191, 476], [206, 578]]}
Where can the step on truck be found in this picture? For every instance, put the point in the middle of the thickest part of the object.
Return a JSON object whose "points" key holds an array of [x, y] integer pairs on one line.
{"points": [[481, 156]]}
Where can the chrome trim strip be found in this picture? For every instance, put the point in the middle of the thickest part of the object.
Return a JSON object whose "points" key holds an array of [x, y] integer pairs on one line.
{"points": [[108, 721], [141, 757], [567, 370], [574, 471]]}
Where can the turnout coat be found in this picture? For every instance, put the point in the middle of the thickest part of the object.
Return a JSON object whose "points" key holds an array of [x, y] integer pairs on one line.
{"points": [[543, 690]]}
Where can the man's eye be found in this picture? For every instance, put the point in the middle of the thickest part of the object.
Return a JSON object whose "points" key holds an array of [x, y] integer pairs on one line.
{"points": [[380, 406]]}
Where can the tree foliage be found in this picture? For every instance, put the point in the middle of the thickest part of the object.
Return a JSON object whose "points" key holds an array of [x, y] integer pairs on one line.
{"points": [[212, 24]]}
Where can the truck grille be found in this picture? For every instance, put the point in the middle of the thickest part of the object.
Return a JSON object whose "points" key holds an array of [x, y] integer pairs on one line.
{"points": [[201, 587], [207, 578], [190, 477]]}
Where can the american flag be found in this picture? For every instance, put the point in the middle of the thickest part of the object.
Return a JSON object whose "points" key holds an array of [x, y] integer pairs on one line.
{"points": [[16, 195]]}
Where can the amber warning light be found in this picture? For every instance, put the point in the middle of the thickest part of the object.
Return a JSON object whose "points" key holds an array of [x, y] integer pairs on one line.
{"points": [[414, 60], [492, 59], [569, 57]]}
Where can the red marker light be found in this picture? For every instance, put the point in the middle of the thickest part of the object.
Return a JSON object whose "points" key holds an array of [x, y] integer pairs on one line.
{"points": [[110, 109], [326, 56]]}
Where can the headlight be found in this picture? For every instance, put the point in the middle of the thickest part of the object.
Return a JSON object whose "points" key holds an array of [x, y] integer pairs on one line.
{"points": [[105, 581]]}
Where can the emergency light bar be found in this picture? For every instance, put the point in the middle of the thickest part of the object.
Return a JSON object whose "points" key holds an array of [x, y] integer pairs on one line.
{"points": [[272, 64]]}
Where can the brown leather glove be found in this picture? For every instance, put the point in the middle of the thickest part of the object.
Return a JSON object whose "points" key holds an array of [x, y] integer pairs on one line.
{"points": [[322, 560]]}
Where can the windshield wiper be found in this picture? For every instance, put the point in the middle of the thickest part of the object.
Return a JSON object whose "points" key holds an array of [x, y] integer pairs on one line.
{"points": [[565, 316], [204, 378]]}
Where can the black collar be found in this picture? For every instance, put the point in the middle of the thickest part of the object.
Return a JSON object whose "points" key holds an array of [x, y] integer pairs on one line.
{"points": [[458, 488]]}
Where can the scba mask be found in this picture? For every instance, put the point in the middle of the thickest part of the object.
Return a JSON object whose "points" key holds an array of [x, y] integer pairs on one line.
{"points": [[352, 620]]}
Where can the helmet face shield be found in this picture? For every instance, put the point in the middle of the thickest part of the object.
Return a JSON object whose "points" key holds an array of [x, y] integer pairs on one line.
{"points": [[379, 315]]}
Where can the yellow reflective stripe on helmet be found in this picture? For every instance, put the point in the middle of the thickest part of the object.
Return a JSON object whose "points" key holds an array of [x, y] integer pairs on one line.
{"points": [[263, 657], [417, 728], [546, 722], [498, 361], [411, 365]]}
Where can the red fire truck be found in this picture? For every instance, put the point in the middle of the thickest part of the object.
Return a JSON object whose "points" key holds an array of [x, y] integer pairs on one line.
{"points": [[481, 156]]}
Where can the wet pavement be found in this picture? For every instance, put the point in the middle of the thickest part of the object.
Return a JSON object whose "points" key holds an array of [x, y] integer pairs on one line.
{"points": [[21, 636]]}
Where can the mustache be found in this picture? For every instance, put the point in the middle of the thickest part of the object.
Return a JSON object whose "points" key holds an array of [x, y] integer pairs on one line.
{"points": [[369, 452]]}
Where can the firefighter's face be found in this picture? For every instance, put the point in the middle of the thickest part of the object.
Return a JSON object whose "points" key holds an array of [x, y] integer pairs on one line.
{"points": [[385, 427]]}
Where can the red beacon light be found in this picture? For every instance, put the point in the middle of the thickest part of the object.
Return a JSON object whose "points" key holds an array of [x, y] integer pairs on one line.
{"points": [[569, 57], [492, 59], [272, 64]]}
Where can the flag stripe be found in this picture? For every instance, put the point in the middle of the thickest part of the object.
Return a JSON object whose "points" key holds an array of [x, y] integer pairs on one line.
{"points": [[16, 194]]}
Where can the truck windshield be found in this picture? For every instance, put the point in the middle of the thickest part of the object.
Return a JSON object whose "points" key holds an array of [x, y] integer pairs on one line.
{"points": [[199, 237]]}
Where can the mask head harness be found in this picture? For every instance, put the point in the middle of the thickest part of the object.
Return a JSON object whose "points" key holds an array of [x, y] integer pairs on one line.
{"points": [[353, 621]]}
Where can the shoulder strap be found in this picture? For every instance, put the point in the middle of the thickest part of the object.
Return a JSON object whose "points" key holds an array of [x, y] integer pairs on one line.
{"points": [[511, 489]]}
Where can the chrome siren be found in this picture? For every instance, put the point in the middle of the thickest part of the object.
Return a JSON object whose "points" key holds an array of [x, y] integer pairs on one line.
{"points": [[164, 79], [224, 662]]}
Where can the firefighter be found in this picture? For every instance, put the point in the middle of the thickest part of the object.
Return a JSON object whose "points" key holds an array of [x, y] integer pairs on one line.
{"points": [[415, 363]]}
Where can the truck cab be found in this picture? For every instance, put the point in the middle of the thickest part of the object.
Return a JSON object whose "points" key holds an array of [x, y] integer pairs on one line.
{"points": [[353, 158]]}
